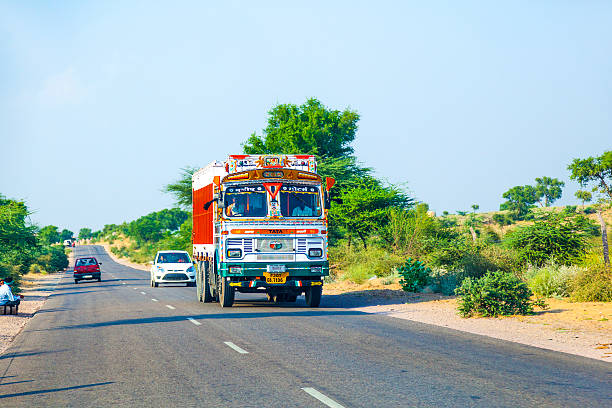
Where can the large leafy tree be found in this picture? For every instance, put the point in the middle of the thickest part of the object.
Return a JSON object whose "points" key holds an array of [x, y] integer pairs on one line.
{"points": [[363, 210], [596, 170], [66, 234], [49, 235], [310, 128], [181, 188], [548, 190], [85, 233], [520, 199], [17, 239]]}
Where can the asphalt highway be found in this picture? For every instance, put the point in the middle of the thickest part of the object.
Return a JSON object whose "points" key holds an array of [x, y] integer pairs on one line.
{"points": [[121, 343]]}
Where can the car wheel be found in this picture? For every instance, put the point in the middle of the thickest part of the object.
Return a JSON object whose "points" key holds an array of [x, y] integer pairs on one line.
{"points": [[76, 281], [99, 279], [155, 284]]}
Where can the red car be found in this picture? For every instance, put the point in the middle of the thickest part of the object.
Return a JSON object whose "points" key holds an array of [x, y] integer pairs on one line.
{"points": [[87, 268]]}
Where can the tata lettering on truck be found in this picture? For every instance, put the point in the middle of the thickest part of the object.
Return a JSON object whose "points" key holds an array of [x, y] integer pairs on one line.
{"points": [[260, 226]]}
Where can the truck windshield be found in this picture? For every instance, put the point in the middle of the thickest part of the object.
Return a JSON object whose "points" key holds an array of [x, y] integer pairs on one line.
{"points": [[300, 201], [246, 201]]}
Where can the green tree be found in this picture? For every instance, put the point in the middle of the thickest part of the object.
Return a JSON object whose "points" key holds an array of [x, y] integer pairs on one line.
{"points": [[66, 234], [85, 233], [181, 189], [520, 200], [49, 235], [584, 196], [310, 128], [596, 170], [549, 189], [364, 210], [17, 239]]}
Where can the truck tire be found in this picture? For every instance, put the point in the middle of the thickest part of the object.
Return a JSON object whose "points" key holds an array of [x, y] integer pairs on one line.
{"points": [[206, 296], [211, 273], [199, 287], [226, 293], [313, 296]]}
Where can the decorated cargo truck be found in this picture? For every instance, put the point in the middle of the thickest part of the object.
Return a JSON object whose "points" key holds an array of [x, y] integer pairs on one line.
{"points": [[260, 226]]}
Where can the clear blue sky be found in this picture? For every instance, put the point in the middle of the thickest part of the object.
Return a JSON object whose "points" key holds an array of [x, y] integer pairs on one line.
{"points": [[101, 103]]}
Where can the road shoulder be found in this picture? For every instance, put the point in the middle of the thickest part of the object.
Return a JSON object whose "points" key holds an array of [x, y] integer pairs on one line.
{"points": [[36, 289], [582, 329]]}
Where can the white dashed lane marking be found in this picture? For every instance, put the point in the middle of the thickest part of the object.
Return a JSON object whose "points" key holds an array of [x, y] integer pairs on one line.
{"points": [[155, 300], [235, 347], [194, 321], [323, 398], [142, 293], [170, 307]]}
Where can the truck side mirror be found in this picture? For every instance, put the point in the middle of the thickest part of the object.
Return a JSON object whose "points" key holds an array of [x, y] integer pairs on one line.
{"points": [[220, 201], [326, 200]]}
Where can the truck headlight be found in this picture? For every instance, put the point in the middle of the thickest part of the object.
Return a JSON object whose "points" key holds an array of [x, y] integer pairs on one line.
{"points": [[316, 269], [235, 269], [315, 252], [234, 253]]}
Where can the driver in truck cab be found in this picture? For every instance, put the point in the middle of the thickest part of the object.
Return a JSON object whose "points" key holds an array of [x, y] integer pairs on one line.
{"points": [[235, 208]]}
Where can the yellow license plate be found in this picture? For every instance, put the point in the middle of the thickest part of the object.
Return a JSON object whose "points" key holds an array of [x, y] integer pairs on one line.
{"points": [[276, 277]]}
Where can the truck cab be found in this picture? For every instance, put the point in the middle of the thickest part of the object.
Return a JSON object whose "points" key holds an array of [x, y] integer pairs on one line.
{"points": [[260, 226]]}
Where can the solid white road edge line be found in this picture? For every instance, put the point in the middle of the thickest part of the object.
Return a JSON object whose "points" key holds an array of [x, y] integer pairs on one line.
{"points": [[194, 321], [323, 398], [170, 307], [235, 347], [155, 300]]}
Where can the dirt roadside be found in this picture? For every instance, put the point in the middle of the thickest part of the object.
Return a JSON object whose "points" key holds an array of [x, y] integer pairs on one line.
{"points": [[35, 289], [584, 329]]}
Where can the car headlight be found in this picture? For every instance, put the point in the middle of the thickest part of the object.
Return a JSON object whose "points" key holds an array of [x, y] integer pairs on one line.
{"points": [[315, 252], [191, 269], [160, 269], [234, 253]]}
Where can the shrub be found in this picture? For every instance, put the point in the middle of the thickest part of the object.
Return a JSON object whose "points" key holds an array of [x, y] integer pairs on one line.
{"points": [[443, 281], [53, 259], [495, 294], [558, 238], [593, 284], [551, 279], [414, 275], [359, 264], [36, 268]]}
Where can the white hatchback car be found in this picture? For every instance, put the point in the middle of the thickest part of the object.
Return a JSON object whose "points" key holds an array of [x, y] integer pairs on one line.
{"points": [[172, 267]]}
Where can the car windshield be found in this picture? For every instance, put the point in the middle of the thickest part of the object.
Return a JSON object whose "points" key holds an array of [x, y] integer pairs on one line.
{"points": [[86, 261], [246, 201], [173, 257], [300, 201]]}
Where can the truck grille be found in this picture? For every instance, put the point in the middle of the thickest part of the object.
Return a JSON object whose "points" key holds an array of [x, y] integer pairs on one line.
{"points": [[274, 257], [246, 244]]}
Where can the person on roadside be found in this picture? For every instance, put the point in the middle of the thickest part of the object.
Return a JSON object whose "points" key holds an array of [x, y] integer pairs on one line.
{"points": [[6, 296]]}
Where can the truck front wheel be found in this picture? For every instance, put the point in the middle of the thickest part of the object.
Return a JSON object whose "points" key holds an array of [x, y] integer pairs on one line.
{"points": [[226, 293], [313, 296]]}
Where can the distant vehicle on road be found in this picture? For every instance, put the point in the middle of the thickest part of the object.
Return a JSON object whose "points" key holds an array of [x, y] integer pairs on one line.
{"points": [[87, 268], [172, 267]]}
